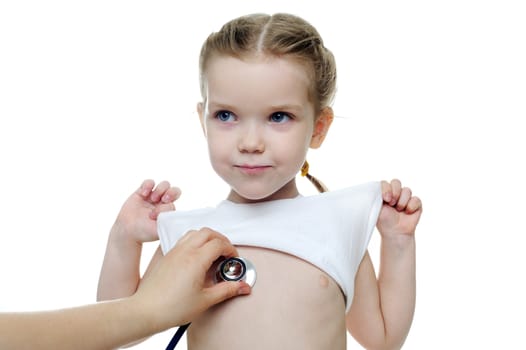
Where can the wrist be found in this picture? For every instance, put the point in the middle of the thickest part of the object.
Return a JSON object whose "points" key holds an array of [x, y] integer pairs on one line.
{"points": [[399, 242], [120, 236], [135, 320], [146, 315]]}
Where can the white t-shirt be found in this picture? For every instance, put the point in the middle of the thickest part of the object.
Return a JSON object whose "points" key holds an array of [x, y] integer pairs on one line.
{"points": [[330, 230]]}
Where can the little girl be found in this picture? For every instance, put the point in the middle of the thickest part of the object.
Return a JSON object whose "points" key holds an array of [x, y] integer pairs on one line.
{"points": [[267, 83]]}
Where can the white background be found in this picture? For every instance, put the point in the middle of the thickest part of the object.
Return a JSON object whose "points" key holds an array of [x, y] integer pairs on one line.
{"points": [[96, 96]]}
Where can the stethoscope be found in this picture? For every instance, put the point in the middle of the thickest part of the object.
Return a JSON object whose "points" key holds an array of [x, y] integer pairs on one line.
{"points": [[231, 269]]}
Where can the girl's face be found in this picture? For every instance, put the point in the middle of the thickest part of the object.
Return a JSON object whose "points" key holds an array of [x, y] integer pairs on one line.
{"points": [[259, 124]]}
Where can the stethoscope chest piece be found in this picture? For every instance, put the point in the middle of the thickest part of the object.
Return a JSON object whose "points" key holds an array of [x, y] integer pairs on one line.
{"points": [[236, 269], [231, 269]]}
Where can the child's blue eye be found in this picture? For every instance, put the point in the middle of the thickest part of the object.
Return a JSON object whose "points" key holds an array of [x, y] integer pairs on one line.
{"points": [[279, 117], [225, 116]]}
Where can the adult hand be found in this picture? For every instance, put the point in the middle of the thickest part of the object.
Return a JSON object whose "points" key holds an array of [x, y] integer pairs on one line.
{"points": [[177, 289], [173, 293]]}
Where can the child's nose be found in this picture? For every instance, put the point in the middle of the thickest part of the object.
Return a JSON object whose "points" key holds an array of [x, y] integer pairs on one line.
{"points": [[251, 139]]}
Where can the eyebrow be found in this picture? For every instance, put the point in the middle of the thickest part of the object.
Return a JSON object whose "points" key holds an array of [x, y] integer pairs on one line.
{"points": [[287, 107], [281, 107], [218, 105]]}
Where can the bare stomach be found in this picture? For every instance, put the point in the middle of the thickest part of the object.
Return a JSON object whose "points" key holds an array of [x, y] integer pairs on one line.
{"points": [[293, 305]]}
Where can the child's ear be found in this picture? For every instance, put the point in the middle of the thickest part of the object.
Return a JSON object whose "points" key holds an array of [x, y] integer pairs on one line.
{"points": [[200, 112], [321, 127]]}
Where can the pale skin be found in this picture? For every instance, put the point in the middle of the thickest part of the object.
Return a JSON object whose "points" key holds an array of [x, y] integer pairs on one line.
{"points": [[172, 294], [259, 124]]}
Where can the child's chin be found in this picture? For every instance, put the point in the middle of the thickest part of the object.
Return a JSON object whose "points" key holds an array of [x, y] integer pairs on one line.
{"points": [[253, 196]]}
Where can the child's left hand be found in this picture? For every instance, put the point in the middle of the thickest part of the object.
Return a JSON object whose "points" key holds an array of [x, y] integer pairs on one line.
{"points": [[400, 211]]}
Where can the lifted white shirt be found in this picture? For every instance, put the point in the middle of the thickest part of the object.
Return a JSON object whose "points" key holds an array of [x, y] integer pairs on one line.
{"points": [[330, 230]]}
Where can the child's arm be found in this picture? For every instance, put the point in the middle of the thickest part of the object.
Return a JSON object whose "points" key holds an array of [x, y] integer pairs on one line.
{"points": [[135, 224], [383, 308]]}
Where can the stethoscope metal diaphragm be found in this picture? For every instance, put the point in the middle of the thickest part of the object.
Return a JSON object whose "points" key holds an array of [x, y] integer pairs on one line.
{"points": [[236, 269]]}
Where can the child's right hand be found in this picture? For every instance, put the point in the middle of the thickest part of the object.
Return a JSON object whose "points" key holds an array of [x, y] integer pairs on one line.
{"points": [[137, 219]]}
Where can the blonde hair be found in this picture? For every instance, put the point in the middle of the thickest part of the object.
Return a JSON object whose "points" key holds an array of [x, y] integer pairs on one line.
{"points": [[277, 35]]}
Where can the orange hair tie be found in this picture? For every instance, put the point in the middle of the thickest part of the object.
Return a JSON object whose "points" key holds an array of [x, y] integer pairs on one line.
{"points": [[305, 169], [317, 183]]}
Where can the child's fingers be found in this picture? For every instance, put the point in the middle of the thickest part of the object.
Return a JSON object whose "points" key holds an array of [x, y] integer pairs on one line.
{"points": [[405, 196], [414, 205], [146, 188], [171, 195], [387, 193], [396, 188], [159, 191], [154, 213], [391, 191]]}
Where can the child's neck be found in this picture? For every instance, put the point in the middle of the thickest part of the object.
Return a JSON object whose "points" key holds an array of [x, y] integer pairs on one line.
{"points": [[290, 190]]}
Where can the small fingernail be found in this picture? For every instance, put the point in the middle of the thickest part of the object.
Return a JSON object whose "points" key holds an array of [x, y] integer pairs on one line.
{"points": [[166, 198], [243, 290]]}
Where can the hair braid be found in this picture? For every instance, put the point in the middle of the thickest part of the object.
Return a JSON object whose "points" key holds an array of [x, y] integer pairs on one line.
{"points": [[320, 186]]}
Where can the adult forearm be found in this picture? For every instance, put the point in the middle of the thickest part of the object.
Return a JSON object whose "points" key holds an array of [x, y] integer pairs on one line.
{"points": [[397, 287], [105, 325]]}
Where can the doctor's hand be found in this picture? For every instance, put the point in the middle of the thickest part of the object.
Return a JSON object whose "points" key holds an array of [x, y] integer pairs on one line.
{"points": [[174, 292], [177, 289]]}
